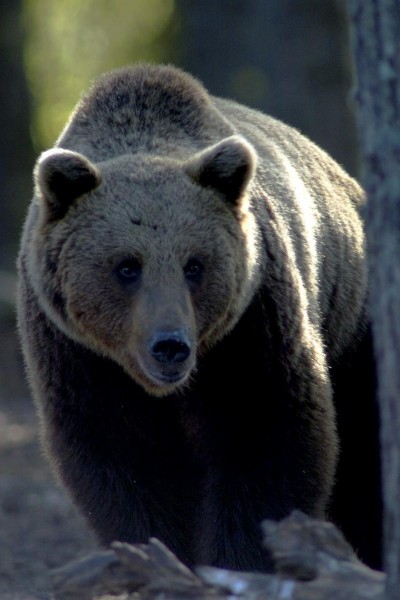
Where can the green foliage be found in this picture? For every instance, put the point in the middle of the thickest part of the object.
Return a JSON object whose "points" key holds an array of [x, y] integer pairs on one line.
{"points": [[70, 42]]}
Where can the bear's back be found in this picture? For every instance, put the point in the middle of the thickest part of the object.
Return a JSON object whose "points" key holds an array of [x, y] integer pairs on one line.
{"points": [[144, 108], [319, 201], [162, 110]]}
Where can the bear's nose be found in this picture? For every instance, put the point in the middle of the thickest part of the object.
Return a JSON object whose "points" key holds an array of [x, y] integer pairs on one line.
{"points": [[170, 347]]}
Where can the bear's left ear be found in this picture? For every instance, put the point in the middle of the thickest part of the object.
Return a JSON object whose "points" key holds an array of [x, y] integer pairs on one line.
{"points": [[227, 166], [61, 176]]}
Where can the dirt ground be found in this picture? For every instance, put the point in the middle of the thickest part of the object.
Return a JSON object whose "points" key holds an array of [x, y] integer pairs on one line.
{"points": [[39, 528]]}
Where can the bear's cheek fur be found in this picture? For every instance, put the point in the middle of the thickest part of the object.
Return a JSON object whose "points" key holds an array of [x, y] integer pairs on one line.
{"points": [[98, 320], [226, 295]]}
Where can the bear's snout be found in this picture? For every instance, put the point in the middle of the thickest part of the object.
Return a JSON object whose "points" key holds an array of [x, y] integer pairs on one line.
{"points": [[170, 347]]}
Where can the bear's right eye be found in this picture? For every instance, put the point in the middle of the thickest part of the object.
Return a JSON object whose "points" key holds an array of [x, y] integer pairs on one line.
{"points": [[128, 270]]}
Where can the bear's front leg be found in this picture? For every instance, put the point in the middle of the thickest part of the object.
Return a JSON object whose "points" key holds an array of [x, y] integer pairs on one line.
{"points": [[129, 486], [262, 483], [270, 449], [230, 525]]}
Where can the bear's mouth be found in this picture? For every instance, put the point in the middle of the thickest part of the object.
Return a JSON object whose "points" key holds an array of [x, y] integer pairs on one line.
{"points": [[159, 383], [161, 380], [173, 377]]}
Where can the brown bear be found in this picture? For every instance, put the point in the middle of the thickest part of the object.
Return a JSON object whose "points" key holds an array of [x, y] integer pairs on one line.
{"points": [[192, 285]]}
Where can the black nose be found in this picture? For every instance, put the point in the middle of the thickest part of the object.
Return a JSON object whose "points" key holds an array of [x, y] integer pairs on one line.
{"points": [[170, 347]]}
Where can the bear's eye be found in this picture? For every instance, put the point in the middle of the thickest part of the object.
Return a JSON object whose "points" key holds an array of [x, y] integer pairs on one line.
{"points": [[193, 270], [128, 270]]}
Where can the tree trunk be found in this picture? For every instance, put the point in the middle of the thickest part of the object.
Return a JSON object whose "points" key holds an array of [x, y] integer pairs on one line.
{"points": [[376, 29]]}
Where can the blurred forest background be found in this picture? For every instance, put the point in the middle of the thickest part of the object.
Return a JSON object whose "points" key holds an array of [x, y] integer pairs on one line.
{"points": [[289, 58]]}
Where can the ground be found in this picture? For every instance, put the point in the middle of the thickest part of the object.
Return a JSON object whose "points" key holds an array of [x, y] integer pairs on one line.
{"points": [[40, 529]]}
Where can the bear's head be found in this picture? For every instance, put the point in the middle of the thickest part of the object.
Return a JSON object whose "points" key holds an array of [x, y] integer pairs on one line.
{"points": [[145, 259]]}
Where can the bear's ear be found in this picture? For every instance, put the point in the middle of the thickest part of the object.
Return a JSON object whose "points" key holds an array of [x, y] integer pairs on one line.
{"points": [[227, 166], [61, 176]]}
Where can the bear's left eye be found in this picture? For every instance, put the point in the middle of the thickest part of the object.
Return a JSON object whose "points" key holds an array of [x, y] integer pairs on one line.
{"points": [[193, 270]]}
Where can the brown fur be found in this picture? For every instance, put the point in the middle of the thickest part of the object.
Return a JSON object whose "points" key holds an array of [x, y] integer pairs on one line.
{"points": [[227, 222]]}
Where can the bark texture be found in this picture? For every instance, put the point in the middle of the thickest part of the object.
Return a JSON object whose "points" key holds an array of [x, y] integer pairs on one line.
{"points": [[376, 38]]}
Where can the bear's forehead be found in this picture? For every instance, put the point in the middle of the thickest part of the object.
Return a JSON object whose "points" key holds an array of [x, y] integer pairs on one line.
{"points": [[140, 221], [149, 192], [154, 194], [145, 204], [142, 209]]}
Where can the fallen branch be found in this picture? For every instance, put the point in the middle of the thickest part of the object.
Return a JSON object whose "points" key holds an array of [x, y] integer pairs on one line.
{"points": [[312, 562]]}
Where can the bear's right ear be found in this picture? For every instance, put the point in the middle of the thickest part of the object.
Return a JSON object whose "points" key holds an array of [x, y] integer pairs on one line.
{"points": [[61, 176]]}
